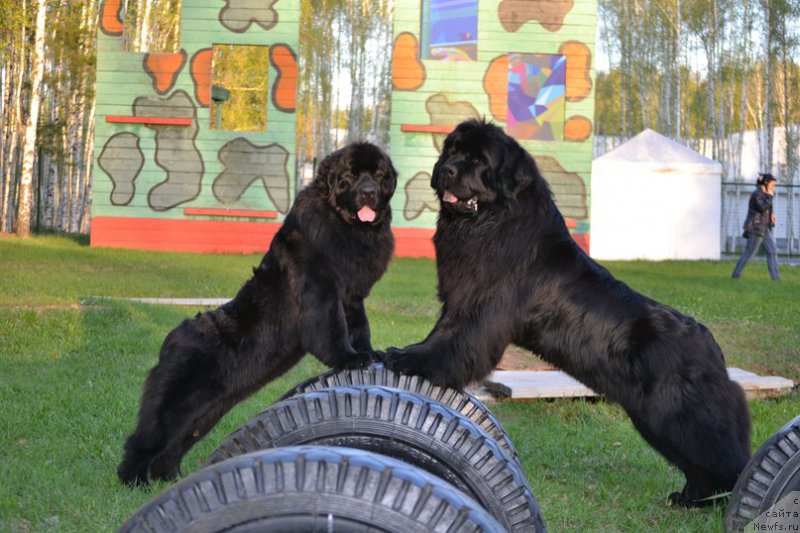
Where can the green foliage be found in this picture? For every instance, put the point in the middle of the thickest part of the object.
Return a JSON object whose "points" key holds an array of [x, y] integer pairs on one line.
{"points": [[243, 72], [153, 26], [72, 374], [694, 106], [12, 17]]}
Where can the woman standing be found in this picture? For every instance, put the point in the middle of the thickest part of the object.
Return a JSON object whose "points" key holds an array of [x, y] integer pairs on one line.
{"points": [[758, 226]]}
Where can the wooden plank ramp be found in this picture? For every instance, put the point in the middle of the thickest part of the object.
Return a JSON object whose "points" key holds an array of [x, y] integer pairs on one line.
{"points": [[533, 384]]}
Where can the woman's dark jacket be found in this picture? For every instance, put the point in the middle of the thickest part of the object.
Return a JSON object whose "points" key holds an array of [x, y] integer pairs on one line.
{"points": [[759, 214]]}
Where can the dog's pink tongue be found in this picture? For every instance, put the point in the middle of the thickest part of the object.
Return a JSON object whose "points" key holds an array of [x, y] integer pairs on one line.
{"points": [[366, 214], [449, 197]]}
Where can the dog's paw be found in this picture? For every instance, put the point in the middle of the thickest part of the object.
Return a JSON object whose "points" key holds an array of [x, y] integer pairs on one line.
{"points": [[678, 499], [402, 362], [358, 360], [133, 477]]}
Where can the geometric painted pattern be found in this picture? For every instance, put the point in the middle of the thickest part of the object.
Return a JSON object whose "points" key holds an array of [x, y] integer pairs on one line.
{"points": [[452, 30], [536, 96]]}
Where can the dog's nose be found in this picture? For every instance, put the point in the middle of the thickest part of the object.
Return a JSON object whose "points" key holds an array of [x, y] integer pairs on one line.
{"points": [[449, 171], [368, 193]]}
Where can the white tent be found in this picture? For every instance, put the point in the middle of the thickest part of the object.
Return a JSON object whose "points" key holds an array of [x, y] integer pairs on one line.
{"points": [[653, 198]]}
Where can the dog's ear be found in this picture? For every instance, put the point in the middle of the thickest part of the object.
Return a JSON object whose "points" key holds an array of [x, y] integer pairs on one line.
{"points": [[325, 173], [391, 176], [435, 174], [448, 142], [516, 170], [332, 168]]}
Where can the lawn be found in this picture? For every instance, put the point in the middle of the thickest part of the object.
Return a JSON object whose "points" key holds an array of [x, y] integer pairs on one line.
{"points": [[72, 366]]}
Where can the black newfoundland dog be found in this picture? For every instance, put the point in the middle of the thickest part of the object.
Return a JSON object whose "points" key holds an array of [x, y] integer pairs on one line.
{"points": [[509, 272], [307, 295]]}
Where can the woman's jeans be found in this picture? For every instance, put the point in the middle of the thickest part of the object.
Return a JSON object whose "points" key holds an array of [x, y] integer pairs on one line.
{"points": [[753, 243]]}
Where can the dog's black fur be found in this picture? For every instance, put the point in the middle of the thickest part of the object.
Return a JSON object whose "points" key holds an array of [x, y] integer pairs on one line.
{"points": [[307, 295], [509, 272]]}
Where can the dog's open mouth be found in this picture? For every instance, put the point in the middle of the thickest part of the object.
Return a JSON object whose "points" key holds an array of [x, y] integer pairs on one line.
{"points": [[468, 205], [366, 214]]}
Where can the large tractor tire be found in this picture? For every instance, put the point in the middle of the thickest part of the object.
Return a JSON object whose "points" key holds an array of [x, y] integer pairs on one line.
{"points": [[312, 488], [772, 473], [377, 374], [403, 425]]}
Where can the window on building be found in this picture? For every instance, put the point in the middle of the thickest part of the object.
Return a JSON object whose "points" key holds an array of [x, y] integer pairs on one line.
{"points": [[152, 26], [450, 30], [239, 87]]}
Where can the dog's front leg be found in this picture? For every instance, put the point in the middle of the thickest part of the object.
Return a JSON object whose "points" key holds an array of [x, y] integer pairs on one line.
{"points": [[459, 350], [358, 326], [325, 332]]}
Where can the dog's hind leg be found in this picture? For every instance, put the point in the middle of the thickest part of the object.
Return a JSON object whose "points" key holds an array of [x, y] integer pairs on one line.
{"points": [[166, 465], [706, 448], [174, 392], [194, 416], [151, 435], [139, 453]]}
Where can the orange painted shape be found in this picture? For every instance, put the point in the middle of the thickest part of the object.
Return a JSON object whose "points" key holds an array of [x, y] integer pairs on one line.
{"points": [[243, 213], [200, 70], [163, 69], [414, 242], [220, 236], [495, 84], [579, 65], [408, 72], [577, 128], [426, 128], [284, 91], [583, 241], [110, 21], [154, 121], [199, 236]]}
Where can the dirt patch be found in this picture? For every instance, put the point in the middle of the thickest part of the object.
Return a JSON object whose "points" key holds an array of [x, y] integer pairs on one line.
{"points": [[516, 358]]}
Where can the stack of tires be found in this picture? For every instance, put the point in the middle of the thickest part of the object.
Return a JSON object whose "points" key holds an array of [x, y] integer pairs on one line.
{"points": [[768, 489], [356, 450]]}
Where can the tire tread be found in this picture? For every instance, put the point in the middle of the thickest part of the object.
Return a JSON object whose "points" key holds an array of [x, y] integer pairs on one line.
{"points": [[750, 496], [403, 491], [453, 441]]}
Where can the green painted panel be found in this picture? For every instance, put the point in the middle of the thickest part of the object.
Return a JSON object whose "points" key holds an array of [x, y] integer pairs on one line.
{"points": [[158, 171], [452, 90]]}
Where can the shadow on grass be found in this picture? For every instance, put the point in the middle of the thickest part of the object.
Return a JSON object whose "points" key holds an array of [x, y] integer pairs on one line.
{"points": [[81, 239]]}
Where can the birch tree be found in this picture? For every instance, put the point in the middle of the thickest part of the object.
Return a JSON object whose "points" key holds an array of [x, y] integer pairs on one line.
{"points": [[26, 178], [15, 53]]}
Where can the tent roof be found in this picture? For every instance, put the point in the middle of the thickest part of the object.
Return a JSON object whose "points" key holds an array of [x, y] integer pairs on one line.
{"points": [[654, 150]]}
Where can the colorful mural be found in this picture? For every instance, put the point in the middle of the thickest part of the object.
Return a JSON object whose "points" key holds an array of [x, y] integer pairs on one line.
{"points": [[536, 96], [451, 29], [122, 159], [166, 177], [525, 64]]}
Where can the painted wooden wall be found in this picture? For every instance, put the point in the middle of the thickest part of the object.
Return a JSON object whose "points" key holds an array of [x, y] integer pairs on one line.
{"points": [[527, 65], [163, 177]]}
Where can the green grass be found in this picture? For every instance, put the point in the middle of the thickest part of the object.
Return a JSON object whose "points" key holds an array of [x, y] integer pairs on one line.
{"points": [[71, 374]]}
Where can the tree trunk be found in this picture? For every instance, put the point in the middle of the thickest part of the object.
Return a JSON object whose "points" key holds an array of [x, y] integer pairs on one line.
{"points": [[766, 158], [678, 88], [26, 179], [14, 124]]}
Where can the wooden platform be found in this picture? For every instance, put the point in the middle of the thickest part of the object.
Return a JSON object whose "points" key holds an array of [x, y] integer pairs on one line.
{"points": [[527, 384]]}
